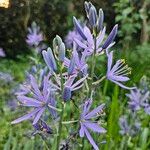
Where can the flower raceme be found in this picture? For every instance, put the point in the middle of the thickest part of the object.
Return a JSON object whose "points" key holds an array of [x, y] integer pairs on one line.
{"points": [[35, 36], [40, 101], [87, 123], [139, 100], [69, 74]]}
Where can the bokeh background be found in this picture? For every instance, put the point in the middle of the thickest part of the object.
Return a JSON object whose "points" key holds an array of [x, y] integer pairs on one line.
{"points": [[55, 17]]}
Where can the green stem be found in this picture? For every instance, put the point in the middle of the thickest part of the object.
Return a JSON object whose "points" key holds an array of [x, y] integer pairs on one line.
{"points": [[92, 67], [60, 127], [69, 122], [62, 112]]}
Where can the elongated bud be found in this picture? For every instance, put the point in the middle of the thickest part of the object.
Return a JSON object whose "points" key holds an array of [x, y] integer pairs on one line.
{"points": [[93, 16], [100, 20], [87, 6], [79, 28], [61, 53], [49, 59], [66, 94], [110, 37], [59, 46], [71, 65]]}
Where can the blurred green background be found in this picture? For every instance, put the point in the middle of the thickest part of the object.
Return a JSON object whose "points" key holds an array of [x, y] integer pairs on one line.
{"points": [[55, 17]]}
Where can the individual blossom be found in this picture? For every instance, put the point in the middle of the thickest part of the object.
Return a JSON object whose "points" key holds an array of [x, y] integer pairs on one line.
{"points": [[77, 64], [41, 126], [35, 36], [117, 73], [124, 126], [86, 122], [92, 42], [71, 85], [41, 47], [138, 100], [6, 77], [129, 127], [89, 44], [69, 39], [39, 100], [2, 53]]}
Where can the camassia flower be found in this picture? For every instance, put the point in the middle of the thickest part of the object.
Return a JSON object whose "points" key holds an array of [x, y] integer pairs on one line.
{"points": [[35, 36], [117, 73], [77, 63], [2, 53], [87, 123], [40, 101], [41, 126], [71, 86], [138, 100], [89, 44], [129, 128], [69, 39]]}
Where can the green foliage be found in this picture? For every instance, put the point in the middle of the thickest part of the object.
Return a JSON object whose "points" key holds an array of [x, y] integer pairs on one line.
{"points": [[128, 18], [21, 13]]}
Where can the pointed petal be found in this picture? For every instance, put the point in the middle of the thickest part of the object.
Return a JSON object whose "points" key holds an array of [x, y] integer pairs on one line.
{"points": [[110, 37], [89, 36], [36, 88], [25, 117], [120, 78], [86, 107], [38, 115], [90, 139], [79, 28], [123, 86], [100, 37], [110, 60], [71, 65], [78, 82], [94, 112], [27, 101], [80, 44], [94, 127], [81, 131]]}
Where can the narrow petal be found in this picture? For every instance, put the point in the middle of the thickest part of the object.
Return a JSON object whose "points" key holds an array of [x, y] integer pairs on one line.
{"points": [[110, 37], [86, 107], [90, 139], [89, 36], [79, 28], [38, 115], [81, 131], [94, 127], [25, 117], [120, 78], [80, 44], [45, 86], [109, 63], [79, 82], [123, 86], [100, 37], [35, 87], [27, 101], [94, 112]]}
